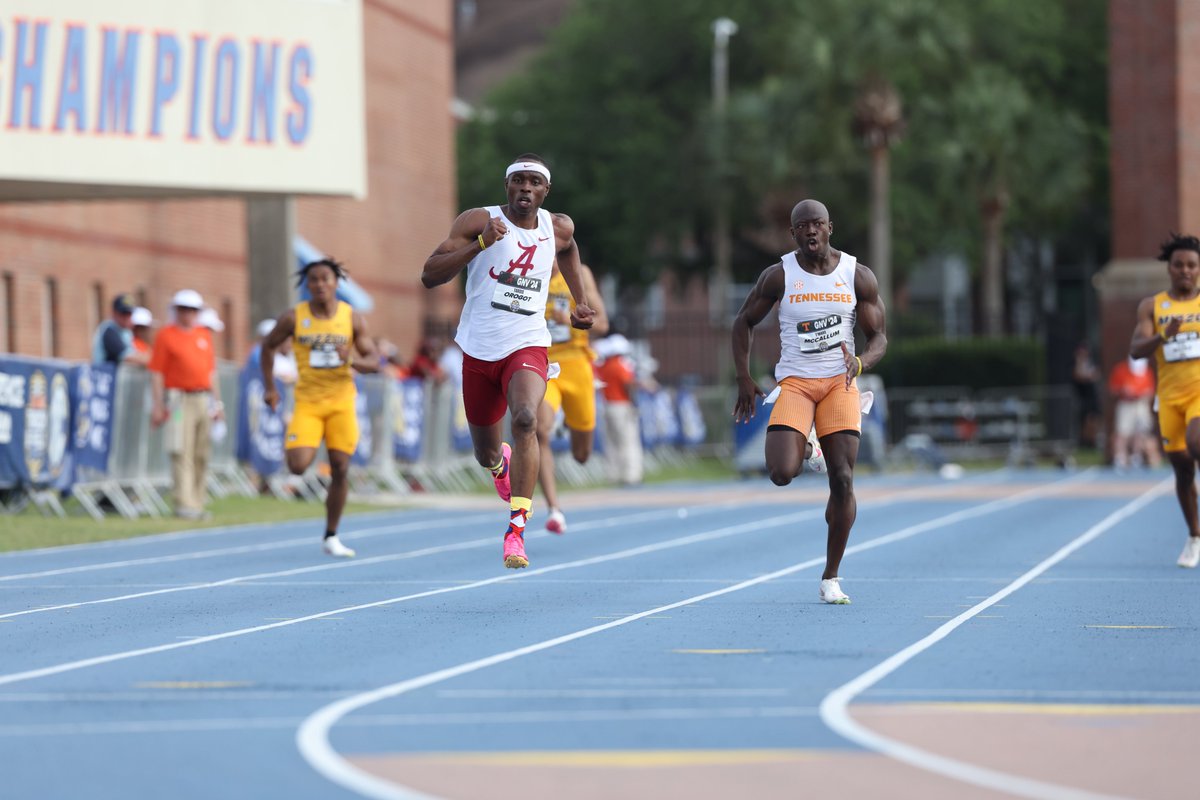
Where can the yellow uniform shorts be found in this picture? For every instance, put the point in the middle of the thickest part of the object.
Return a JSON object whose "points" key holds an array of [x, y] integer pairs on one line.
{"points": [[336, 423], [1173, 418], [827, 400], [574, 391]]}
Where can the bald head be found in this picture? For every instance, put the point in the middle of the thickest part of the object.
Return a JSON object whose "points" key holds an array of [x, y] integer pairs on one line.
{"points": [[809, 209]]}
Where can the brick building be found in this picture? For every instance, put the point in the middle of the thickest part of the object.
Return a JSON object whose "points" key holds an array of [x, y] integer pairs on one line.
{"points": [[62, 262]]}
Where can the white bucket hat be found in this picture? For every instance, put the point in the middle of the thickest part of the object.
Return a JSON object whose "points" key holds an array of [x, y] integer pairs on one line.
{"points": [[209, 319], [187, 298]]}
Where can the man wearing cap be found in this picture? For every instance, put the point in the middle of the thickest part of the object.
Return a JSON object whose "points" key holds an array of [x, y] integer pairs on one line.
{"points": [[183, 377], [508, 252], [113, 340]]}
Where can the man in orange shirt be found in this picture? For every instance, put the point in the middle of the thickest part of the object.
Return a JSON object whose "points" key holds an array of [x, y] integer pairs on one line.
{"points": [[1132, 385], [623, 432], [183, 377]]}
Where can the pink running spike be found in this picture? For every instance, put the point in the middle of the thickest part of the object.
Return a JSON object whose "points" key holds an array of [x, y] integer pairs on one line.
{"points": [[503, 484]]}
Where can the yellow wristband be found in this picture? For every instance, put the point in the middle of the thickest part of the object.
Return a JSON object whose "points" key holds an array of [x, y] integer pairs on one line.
{"points": [[860, 366], [482, 246]]}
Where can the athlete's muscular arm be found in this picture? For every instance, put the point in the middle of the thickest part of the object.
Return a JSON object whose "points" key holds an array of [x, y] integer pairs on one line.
{"points": [[600, 320], [1145, 341], [365, 346], [462, 245], [568, 263], [285, 326], [762, 298], [870, 314]]}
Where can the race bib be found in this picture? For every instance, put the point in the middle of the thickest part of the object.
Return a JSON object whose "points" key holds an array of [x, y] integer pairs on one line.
{"points": [[559, 332], [517, 294], [1182, 347], [324, 356], [819, 335]]}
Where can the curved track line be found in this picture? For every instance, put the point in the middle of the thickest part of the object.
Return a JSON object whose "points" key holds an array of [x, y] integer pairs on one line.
{"points": [[834, 707], [312, 738]]}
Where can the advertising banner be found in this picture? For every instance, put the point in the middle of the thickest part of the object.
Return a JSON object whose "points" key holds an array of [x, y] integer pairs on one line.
{"points": [[207, 95], [94, 387], [35, 423]]}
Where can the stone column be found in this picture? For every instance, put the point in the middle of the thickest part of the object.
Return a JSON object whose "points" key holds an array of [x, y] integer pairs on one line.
{"points": [[1154, 156], [270, 229]]}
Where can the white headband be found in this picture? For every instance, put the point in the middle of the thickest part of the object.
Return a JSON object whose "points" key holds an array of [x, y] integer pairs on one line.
{"points": [[527, 166]]}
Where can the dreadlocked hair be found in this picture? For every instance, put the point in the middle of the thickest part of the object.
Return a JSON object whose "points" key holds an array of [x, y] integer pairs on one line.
{"points": [[1177, 242], [339, 271]]}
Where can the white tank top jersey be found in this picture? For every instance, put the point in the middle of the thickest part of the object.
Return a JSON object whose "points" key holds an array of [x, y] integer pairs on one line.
{"points": [[507, 285], [816, 314]]}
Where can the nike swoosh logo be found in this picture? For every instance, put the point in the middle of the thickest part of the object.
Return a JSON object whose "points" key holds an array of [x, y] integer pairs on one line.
{"points": [[545, 239], [838, 284], [531, 366]]}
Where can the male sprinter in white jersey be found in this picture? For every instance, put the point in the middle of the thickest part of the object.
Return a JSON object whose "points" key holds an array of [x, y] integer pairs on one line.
{"points": [[324, 330], [1168, 328], [509, 253], [821, 294]]}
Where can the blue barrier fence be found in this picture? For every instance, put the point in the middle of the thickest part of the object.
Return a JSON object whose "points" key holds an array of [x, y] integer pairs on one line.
{"points": [[83, 429]]}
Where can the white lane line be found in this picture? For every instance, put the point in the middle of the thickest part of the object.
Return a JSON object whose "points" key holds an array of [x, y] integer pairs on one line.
{"points": [[608, 522], [309, 541], [408, 720], [834, 707], [731, 530], [312, 738], [192, 533]]}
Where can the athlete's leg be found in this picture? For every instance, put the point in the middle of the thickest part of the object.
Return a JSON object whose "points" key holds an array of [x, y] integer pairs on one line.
{"points": [[526, 389], [339, 487], [1185, 488], [299, 459], [785, 448], [841, 453], [486, 440], [581, 444], [545, 426]]}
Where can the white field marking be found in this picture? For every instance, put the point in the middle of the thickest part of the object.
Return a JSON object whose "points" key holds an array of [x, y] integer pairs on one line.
{"points": [[718, 533], [312, 541], [408, 720], [834, 707], [527, 693], [312, 738], [192, 533], [358, 562], [362, 516], [1033, 694]]}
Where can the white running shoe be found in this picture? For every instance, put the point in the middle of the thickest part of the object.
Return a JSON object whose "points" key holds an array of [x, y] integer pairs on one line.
{"points": [[831, 592], [815, 462], [1190, 556], [334, 547], [556, 522]]}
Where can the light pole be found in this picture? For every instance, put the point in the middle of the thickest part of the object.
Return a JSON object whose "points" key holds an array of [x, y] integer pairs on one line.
{"points": [[722, 28]]}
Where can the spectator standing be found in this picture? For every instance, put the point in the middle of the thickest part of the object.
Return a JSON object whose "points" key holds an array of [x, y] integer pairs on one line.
{"points": [[618, 373], [1132, 385], [426, 364], [142, 321], [183, 377], [113, 340]]}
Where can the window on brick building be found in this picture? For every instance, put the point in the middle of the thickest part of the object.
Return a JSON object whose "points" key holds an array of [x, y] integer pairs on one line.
{"points": [[227, 334], [96, 307], [50, 318], [8, 330]]}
